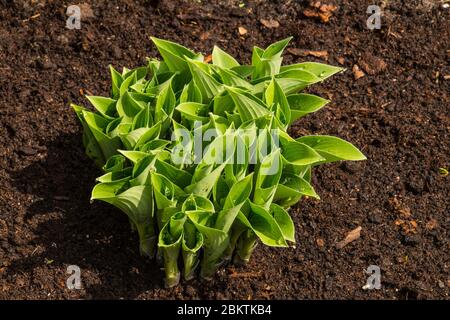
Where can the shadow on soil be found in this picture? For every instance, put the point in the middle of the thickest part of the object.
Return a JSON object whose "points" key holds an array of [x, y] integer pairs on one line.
{"points": [[72, 231]]}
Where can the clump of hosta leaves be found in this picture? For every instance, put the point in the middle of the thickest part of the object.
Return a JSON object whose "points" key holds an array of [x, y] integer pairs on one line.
{"points": [[192, 206]]}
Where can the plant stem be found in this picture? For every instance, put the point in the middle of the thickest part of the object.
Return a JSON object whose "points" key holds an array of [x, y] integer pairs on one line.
{"points": [[147, 239], [245, 246], [235, 235], [171, 265], [209, 265], [132, 225], [191, 261]]}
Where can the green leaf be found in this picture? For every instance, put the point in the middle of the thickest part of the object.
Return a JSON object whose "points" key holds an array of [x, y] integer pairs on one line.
{"points": [[267, 62], [143, 119], [215, 243], [106, 106], [181, 178], [191, 93], [320, 70], [92, 148], [303, 104], [141, 171], [165, 103], [223, 103], [220, 149], [238, 169], [194, 111], [244, 71], [139, 73], [170, 239], [291, 188], [249, 106], [137, 203], [238, 194], [299, 74], [127, 83], [295, 80], [274, 95], [166, 192], [123, 174], [208, 86], [114, 163], [191, 245], [157, 146], [204, 186], [222, 59], [128, 107], [197, 203], [181, 154], [175, 55], [230, 78], [133, 156], [97, 125], [140, 136], [332, 148], [268, 176], [264, 225], [276, 49], [284, 221], [298, 153], [116, 79]]}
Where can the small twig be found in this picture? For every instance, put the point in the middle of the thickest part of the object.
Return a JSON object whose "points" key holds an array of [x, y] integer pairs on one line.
{"points": [[245, 275], [37, 15]]}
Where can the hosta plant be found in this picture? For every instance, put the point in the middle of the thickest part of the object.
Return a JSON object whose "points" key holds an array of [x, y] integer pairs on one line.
{"points": [[197, 154]]}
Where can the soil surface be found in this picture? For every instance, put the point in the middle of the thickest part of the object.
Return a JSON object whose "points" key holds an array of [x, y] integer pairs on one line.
{"points": [[396, 112]]}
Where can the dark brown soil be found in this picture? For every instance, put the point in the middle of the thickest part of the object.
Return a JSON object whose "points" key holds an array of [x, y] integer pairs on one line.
{"points": [[398, 116]]}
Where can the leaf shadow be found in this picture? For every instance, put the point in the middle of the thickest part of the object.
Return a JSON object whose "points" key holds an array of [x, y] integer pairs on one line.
{"points": [[69, 230]]}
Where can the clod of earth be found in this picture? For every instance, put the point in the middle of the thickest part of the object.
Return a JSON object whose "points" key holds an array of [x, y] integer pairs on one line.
{"points": [[371, 64], [271, 23]]}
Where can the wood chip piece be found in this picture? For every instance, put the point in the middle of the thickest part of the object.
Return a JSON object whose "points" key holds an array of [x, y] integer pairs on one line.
{"points": [[304, 53], [270, 23], [245, 274], [325, 16], [242, 31], [310, 13], [318, 10], [351, 236], [357, 72], [408, 227], [402, 210], [328, 8]]}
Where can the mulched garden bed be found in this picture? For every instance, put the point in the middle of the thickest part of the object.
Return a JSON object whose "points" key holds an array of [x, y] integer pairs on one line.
{"points": [[396, 112]]}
